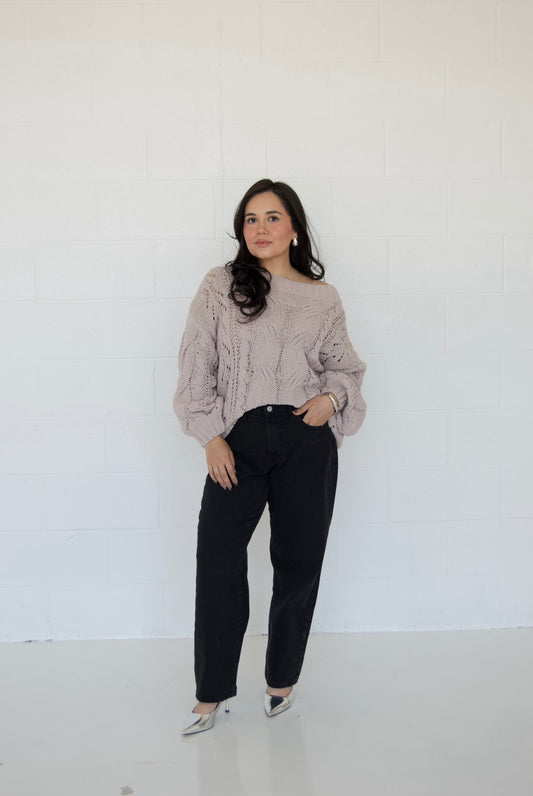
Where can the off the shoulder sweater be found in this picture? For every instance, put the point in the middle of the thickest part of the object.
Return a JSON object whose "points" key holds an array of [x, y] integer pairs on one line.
{"points": [[296, 349]]}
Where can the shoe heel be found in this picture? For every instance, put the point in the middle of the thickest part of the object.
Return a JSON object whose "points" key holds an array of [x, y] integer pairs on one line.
{"points": [[226, 709]]}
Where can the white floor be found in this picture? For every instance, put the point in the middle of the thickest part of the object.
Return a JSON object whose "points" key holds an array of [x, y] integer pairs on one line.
{"points": [[400, 714]]}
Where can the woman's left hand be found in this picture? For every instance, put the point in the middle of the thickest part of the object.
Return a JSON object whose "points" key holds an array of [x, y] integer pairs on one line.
{"points": [[318, 410]]}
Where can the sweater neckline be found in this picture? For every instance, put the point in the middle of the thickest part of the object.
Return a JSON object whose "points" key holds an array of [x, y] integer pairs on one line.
{"points": [[294, 286]]}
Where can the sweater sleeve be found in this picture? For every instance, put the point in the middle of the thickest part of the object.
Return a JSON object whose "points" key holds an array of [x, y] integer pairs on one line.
{"points": [[343, 372], [196, 401]]}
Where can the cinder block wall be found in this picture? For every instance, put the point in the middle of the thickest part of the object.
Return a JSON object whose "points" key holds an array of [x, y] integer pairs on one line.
{"points": [[128, 131]]}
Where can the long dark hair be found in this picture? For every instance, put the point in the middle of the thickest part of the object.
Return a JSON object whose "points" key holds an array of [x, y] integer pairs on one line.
{"points": [[251, 281]]}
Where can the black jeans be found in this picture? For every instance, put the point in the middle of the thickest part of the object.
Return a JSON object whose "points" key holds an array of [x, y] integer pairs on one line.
{"points": [[293, 466]]}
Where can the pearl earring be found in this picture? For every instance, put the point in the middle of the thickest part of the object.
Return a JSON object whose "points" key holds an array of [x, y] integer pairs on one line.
{"points": [[295, 241]]}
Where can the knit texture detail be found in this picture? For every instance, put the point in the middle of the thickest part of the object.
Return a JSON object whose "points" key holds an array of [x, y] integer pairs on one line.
{"points": [[296, 349]]}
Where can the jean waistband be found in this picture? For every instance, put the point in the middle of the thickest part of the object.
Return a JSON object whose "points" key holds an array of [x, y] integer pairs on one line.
{"points": [[278, 412]]}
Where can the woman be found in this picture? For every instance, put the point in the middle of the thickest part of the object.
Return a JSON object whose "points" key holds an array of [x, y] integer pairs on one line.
{"points": [[268, 384]]}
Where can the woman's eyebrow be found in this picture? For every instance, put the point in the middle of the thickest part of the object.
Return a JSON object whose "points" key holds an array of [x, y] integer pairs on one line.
{"points": [[268, 213]]}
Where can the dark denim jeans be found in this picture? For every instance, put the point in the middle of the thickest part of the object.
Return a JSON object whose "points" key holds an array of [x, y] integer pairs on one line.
{"points": [[282, 461]]}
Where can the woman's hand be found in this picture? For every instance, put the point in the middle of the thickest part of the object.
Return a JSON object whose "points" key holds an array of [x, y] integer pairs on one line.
{"points": [[318, 410], [221, 462]]}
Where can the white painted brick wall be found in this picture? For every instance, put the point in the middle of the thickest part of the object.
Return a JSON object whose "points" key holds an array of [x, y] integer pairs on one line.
{"points": [[128, 132]]}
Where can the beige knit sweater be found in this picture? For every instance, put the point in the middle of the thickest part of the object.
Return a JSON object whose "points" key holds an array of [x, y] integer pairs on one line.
{"points": [[296, 349]]}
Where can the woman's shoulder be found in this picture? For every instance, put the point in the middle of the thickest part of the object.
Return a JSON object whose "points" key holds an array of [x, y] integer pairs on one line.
{"points": [[319, 282], [212, 293], [216, 274], [216, 280], [305, 286]]}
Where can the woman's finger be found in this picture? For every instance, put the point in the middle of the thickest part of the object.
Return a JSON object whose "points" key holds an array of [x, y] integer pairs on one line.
{"points": [[229, 474], [232, 472]]}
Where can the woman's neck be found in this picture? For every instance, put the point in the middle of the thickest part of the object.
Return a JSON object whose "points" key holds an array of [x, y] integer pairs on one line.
{"points": [[284, 270]]}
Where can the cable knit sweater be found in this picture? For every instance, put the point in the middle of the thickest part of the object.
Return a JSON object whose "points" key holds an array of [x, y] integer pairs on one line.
{"points": [[296, 349]]}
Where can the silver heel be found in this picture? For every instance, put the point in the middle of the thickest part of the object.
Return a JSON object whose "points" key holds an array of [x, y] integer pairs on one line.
{"points": [[274, 705], [200, 722]]}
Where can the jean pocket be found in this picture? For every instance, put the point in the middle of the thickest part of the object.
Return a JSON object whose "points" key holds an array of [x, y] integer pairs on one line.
{"points": [[308, 425]]}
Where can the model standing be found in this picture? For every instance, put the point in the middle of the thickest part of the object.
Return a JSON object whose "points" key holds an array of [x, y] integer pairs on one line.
{"points": [[269, 384]]}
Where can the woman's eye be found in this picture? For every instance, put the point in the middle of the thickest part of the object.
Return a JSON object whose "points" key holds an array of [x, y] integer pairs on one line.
{"points": [[273, 218], [250, 220]]}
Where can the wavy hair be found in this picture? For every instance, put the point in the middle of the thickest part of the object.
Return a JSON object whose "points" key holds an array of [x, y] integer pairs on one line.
{"points": [[251, 281]]}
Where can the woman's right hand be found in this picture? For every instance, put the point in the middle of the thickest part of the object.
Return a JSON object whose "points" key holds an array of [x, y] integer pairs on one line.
{"points": [[221, 462]]}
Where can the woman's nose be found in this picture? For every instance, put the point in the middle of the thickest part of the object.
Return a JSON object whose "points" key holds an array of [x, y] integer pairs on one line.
{"points": [[261, 227]]}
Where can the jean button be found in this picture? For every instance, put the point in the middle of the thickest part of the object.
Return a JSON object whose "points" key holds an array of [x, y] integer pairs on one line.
{"points": [[269, 408]]}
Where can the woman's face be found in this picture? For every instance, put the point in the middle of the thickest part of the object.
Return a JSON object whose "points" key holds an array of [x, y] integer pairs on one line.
{"points": [[268, 229]]}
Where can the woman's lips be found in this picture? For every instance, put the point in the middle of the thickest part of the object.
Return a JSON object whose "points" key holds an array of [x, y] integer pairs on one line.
{"points": [[262, 243]]}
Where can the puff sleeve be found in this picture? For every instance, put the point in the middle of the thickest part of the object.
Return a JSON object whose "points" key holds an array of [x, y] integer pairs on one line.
{"points": [[343, 372], [196, 402]]}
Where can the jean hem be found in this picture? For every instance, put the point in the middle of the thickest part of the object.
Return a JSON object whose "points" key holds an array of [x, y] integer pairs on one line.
{"points": [[284, 684], [217, 698]]}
